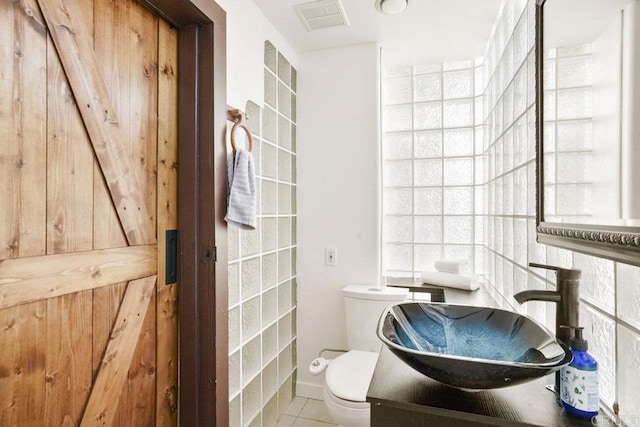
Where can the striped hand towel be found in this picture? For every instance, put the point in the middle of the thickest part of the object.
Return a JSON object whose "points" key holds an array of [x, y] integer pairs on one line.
{"points": [[241, 194]]}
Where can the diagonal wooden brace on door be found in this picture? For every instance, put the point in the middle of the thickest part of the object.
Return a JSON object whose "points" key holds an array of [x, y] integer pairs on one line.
{"points": [[73, 44], [102, 405]]}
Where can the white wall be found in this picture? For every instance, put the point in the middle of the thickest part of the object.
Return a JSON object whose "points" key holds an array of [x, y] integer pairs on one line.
{"points": [[247, 30], [631, 111], [605, 168], [338, 173]]}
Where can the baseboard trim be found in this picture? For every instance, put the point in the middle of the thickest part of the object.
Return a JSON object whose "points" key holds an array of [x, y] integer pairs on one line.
{"points": [[311, 391]]}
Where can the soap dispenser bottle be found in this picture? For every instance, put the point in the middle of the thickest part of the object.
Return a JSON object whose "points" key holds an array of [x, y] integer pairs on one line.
{"points": [[579, 380]]}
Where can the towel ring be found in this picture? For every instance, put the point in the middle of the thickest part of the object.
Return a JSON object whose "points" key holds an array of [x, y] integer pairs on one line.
{"points": [[246, 130]]}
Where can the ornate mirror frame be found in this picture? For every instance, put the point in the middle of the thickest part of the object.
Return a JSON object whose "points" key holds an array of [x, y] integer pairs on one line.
{"points": [[618, 243]]}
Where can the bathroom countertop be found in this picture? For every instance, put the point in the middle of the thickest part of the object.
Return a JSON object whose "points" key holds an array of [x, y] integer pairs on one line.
{"points": [[401, 396]]}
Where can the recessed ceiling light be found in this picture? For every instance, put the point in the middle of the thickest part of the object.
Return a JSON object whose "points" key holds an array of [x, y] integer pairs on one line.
{"points": [[391, 7]]}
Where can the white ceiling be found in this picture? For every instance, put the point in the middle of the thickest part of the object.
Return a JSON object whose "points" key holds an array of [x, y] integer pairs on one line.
{"points": [[427, 31]]}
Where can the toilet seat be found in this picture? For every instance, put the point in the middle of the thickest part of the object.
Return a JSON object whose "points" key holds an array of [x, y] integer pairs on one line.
{"points": [[349, 375]]}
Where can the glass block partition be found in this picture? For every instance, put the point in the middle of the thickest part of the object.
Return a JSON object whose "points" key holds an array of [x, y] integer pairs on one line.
{"points": [[262, 262], [429, 137], [508, 179], [610, 292]]}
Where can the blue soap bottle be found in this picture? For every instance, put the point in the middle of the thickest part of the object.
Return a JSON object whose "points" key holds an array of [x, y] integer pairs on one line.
{"points": [[579, 380]]}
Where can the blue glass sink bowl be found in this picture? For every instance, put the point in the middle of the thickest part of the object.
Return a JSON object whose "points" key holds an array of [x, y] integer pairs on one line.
{"points": [[471, 347]]}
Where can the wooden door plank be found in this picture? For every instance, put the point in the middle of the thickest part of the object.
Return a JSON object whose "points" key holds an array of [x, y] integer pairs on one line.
{"points": [[32, 133], [72, 42], [101, 408], [35, 278], [107, 230], [137, 405], [69, 167], [167, 356], [106, 302], [69, 229], [22, 364], [9, 229], [143, 120], [167, 310], [23, 214], [138, 400], [68, 375], [110, 46], [23, 82]]}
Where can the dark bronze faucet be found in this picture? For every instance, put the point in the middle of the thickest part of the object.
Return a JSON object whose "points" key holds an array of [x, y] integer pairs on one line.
{"points": [[567, 298]]}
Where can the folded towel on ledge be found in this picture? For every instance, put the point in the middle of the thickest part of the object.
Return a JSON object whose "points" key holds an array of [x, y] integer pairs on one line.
{"points": [[448, 265], [466, 282], [241, 194]]}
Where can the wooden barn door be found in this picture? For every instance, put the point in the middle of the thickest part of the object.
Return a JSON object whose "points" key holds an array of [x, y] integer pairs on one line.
{"points": [[88, 187]]}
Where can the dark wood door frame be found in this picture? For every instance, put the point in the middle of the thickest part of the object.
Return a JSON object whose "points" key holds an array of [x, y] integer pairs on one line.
{"points": [[202, 297]]}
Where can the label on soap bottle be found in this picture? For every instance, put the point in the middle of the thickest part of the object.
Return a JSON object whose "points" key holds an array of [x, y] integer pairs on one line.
{"points": [[579, 388]]}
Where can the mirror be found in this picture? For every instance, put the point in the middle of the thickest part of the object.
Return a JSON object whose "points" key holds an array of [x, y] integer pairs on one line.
{"points": [[588, 89]]}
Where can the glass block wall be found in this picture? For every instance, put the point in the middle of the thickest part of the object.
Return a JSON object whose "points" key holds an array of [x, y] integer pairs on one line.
{"points": [[431, 127], [610, 292], [262, 267], [508, 180]]}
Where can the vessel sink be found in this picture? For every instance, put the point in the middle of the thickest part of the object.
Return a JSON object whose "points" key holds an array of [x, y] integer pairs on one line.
{"points": [[471, 347]]}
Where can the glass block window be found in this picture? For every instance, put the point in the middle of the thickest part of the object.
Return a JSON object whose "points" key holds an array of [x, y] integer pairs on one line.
{"points": [[429, 135]]}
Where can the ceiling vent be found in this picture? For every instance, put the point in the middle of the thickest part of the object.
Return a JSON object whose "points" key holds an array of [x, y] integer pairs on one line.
{"points": [[322, 14]]}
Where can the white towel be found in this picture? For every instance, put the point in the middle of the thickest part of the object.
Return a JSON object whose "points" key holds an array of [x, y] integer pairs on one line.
{"points": [[459, 281], [241, 194], [448, 265]]}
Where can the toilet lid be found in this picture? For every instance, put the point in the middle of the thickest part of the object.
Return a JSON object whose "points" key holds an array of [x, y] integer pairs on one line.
{"points": [[348, 376]]}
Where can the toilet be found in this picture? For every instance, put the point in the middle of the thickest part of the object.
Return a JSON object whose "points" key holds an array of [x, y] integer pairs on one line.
{"points": [[347, 377]]}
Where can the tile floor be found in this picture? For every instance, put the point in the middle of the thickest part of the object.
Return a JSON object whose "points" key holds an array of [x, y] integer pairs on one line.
{"points": [[303, 412]]}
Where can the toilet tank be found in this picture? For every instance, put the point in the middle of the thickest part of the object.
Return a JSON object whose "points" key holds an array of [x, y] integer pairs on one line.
{"points": [[363, 306]]}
